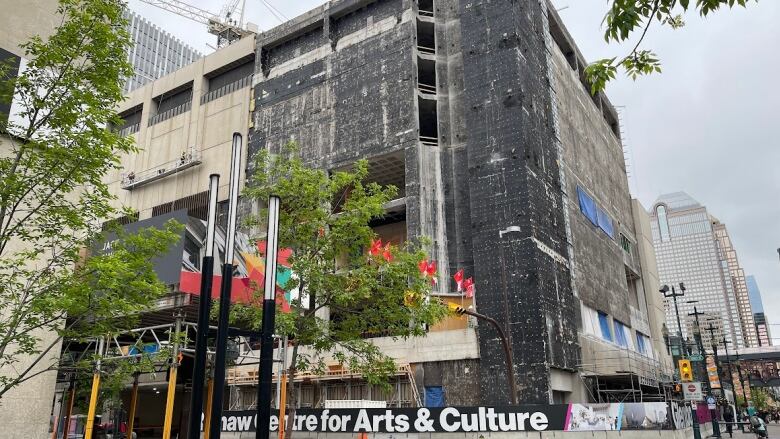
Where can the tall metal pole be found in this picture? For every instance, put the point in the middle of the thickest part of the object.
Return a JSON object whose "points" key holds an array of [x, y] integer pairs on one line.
{"points": [[697, 337], [674, 296], [225, 291], [510, 368], [269, 314], [731, 372], [204, 309]]}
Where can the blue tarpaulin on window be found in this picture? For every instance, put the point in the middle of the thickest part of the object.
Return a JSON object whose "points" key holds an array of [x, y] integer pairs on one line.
{"points": [[434, 396], [587, 206], [605, 222], [606, 333]]}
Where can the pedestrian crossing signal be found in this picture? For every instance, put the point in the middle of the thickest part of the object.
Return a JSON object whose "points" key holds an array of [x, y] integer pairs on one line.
{"points": [[686, 372]]}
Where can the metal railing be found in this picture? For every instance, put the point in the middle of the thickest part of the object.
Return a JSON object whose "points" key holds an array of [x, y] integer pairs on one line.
{"points": [[426, 50], [130, 129], [188, 159], [226, 89], [430, 141], [425, 13], [173, 112], [426, 88]]}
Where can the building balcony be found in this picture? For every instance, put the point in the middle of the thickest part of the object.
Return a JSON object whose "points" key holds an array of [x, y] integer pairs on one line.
{"points": [[188, 159], [130, 129]]}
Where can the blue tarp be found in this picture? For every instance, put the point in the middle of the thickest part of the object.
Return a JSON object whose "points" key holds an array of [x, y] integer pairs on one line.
{"points": [[434, 396], [587, 206], [605, 223], [606, 333]]}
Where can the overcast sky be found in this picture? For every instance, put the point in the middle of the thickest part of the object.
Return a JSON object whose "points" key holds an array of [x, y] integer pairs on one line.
{"points": [[708, 125]]}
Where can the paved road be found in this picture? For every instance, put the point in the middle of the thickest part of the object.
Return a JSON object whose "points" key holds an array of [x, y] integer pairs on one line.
{"points": [[774, 433]]}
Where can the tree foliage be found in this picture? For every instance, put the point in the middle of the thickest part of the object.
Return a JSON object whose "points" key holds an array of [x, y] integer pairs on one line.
{"points": [[325, 220], [54, 159], [352, 295], [628, 17]]}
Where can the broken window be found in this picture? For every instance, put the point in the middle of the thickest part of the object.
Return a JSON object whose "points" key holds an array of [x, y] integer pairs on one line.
{"points": [[429, 120], [426, 75], [426, 37]]}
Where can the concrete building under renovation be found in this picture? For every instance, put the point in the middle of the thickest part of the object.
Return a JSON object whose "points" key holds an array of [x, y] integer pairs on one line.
{"points": [[502, 158]]}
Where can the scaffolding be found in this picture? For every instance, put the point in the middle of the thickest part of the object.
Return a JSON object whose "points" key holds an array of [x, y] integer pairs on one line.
{"points": [[617, 374]]}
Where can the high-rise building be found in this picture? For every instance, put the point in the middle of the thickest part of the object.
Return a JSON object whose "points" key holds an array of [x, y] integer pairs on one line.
{"points": [[693, 247], [734, 278], [155, 52], [759, 317]]}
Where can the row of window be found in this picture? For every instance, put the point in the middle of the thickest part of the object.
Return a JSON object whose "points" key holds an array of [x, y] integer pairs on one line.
{"points": [[601, 325], [595, 213]]}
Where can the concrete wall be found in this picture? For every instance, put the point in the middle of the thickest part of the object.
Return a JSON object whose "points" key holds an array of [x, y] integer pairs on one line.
{"points": [[651, 284], [593, 160], [18, 24], [24, 411], [513, 180]]}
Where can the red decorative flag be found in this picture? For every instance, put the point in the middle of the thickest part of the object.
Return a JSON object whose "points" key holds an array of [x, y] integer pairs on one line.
{"points": [[468, 285], [459, 279], [423, 267], [387, 253], [431, 271], [376, 247]]}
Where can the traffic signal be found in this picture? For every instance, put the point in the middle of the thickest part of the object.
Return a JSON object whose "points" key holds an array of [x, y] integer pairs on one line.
{"points": [[455, 308], [686, 372]]}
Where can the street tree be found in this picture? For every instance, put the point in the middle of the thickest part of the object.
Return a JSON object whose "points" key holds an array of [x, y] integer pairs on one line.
{"points": [[349, 286], [55, 155], [628, 18]]}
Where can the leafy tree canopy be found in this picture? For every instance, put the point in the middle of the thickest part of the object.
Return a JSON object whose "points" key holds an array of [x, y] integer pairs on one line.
{"points": [[626, 18], [54, 160]]}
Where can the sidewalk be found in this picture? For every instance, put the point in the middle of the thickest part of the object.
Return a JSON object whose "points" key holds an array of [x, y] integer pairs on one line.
{"points": [[774, 433]]}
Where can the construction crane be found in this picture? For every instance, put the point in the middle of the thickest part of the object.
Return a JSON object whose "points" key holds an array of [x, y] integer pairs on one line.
{"points": [[223, 25]]}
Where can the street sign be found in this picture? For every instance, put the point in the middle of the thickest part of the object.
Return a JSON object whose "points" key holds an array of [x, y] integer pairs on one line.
{"points": [[711, 403], [696, 357], [692, 392]]}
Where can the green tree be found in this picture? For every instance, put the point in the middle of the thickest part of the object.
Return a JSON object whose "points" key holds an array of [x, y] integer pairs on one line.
{"points": [[352, 294], [627, 18], [54, 159]]}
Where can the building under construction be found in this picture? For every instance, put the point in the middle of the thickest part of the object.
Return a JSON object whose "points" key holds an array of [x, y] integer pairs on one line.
{"points": [[477, 111]]}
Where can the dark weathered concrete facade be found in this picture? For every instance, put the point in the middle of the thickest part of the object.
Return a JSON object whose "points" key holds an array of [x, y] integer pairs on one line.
{"points": [[477, 101]]}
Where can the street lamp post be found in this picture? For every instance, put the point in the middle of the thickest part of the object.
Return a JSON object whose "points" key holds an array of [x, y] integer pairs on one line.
{"points": [[697, 337], [674, 295], [731, 372], [510, 368]]}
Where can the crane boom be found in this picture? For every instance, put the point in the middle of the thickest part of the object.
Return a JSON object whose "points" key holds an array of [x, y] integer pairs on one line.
{"points": [[226, 29], [185, 10]]}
